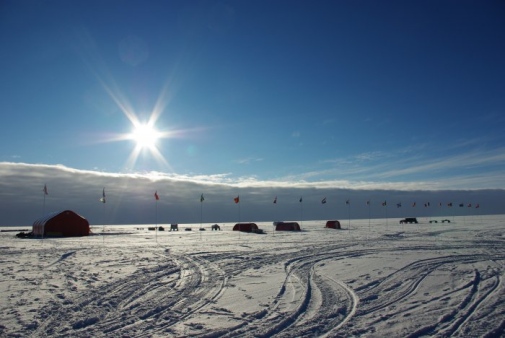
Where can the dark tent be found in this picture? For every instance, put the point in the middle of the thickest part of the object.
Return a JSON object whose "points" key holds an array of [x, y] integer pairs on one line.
{"points": [[333, 225], [287, 226], [245, 227], [63, 223]]}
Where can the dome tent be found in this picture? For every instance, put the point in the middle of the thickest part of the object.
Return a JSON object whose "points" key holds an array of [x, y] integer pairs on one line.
{"points": [[333, 225], [62, 223], [245, 227], [287, 226]]}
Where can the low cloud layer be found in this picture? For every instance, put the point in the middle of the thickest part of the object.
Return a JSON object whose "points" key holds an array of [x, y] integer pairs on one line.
{"points": [[130, 197]]}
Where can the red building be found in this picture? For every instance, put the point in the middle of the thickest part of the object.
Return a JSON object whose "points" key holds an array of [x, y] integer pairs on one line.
{"points": [[64, 224]]}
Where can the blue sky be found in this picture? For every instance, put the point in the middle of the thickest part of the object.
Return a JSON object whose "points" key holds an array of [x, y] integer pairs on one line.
{"points": [[401, 95]]}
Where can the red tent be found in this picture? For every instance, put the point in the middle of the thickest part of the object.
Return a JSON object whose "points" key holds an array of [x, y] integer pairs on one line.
{"points": [[245, 227], [287, 226], [333, 225], [62, 223]]}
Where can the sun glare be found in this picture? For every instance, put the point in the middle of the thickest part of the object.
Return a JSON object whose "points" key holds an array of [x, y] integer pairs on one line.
{"points": [[145, 136]]}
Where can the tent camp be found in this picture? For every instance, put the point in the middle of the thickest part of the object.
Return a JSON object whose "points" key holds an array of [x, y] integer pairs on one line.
{"points": [[287, 226], [333, 225], [245, 227], [62, 223]]}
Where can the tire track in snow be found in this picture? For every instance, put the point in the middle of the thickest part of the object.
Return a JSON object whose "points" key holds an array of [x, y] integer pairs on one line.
{"points": [[455, 323], [129, 306], [313, 313], [200, 283], [350, 314], [100, 307], [476, 297], [331, 304], [392, 291], [151, 301]]}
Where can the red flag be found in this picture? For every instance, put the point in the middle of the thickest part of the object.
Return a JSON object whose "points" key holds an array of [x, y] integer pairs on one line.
{"points": [[156, 195], [236, 199]]}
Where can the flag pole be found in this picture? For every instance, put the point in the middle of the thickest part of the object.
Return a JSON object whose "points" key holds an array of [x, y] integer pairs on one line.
{"points": [[237, 201], [349, 214], [104, 217], [44, 209], [156, 232], [403, 224], [301, 212], [201, 214], [44, 203], [156, 216], [275, 213], [103, 228], [369, 215], [103, 202], [387, 220], [239, 214]]}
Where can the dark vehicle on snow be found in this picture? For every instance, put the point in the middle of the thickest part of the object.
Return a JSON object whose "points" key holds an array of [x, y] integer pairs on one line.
{"points": [[409, 220]]}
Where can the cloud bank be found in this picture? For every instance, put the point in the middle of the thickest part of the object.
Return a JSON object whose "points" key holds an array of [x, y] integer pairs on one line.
{"points": [[130, 197]]}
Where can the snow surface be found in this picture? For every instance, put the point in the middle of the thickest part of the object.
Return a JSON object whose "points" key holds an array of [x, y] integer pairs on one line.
{"points": [[376, 279]]}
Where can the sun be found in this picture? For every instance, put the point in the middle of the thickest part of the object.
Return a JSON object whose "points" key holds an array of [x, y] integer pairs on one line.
{"points": [[145, 136]]}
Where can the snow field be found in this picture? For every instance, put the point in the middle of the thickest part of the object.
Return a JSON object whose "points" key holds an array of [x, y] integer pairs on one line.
{"points": [[382, 280]]}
